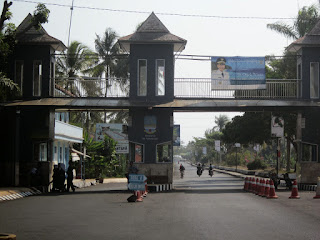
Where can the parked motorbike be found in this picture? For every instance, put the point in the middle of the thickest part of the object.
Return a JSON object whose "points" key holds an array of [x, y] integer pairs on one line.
{"points": [[210, 172]]}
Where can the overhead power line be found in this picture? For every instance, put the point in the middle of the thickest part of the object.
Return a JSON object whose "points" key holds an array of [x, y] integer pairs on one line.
{"points": [[159, 13]]}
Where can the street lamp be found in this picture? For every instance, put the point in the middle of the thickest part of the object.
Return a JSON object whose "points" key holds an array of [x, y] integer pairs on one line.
{"points": [[237, 145]]}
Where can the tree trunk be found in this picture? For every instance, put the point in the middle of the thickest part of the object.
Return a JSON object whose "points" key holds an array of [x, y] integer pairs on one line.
{"points": [[5, 9]]}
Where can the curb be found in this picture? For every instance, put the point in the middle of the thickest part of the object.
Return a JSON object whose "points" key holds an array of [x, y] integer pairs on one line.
{"points": [[17, 194], [159, 187]]}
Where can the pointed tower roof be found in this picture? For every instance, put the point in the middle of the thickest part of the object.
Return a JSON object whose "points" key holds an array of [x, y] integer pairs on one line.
{"points": [[152, 31], [311, 39], [27, 34]]}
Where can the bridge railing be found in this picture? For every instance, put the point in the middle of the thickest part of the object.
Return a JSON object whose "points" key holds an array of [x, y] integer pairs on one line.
{"points": [[202, 88], [84, 87], [183, 88]]}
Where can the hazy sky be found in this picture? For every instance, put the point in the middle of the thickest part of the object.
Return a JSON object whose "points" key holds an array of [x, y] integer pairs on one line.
{"points": [[211, 27]]}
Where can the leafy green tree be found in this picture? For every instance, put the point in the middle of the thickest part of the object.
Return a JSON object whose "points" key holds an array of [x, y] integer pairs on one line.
{"points": [[40, 15], [306, 19], [252, 127]]}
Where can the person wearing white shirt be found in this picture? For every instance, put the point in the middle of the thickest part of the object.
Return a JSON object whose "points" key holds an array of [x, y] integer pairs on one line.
{"points": [[221, 75]]}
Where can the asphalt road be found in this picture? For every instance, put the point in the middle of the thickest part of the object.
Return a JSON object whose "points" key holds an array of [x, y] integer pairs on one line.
{"points": [[198, 208]]}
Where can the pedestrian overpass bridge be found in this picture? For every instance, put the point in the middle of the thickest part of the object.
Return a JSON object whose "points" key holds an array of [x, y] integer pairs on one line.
{"points": [[190, 94]]}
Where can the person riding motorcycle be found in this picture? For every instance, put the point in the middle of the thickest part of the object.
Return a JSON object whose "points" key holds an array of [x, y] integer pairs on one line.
{"points": [[199, 169], [210, 170], [181, 170]]}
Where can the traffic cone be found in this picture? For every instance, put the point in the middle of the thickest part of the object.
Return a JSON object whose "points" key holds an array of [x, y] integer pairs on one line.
{"points": [[262, 187], [253, 185], [257, 186], [318, 190], [246, 184], [139, 196], [294, 192], [272, 193], [249, 184], [266, 189]]}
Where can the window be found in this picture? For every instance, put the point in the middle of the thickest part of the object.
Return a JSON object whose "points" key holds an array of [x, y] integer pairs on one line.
{"points": [[160, 77], [142, 77], [37, 78], [309, 152], [43, 152], [18, 76], [136, 152], [314, 80], [164, 152]]}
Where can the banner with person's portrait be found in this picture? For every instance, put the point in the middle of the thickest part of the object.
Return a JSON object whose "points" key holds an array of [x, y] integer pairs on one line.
{"points": [[238, 73]]}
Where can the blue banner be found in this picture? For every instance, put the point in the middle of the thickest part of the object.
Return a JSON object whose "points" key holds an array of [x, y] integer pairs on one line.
{"points": [[234, 73]]}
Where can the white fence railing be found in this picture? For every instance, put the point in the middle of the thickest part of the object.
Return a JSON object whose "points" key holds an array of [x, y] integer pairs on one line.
{"points": [[183, 88]]}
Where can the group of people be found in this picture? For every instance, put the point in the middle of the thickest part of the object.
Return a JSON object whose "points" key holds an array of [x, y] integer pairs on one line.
{"points": [[200, 168], [59, 177]]}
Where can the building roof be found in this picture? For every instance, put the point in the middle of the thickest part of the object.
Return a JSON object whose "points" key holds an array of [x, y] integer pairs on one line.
{"points": [[152, 31], [311, 39], [29, 35]]}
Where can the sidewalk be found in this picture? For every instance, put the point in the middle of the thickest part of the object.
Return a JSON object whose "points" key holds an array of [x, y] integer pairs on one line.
{"points": [[12, 193]]}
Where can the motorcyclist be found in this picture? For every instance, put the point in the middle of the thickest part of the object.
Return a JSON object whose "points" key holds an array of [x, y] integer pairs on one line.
{"points": [[181, 170], [199, 169], [210, 170], [182, 167]]}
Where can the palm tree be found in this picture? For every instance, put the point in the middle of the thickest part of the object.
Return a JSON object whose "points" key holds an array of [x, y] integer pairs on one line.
{"points": [[221, 121], [111, 64], [77, 59], [304, 22]]}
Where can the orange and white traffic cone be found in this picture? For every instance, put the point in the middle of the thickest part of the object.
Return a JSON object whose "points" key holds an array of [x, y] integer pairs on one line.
{"points": [[317, 196], [272, 193], [249, 184], [253, 185], [139, 196], [294, 192], [262, 187], [267, 189], [246, 184], [257, 186]]}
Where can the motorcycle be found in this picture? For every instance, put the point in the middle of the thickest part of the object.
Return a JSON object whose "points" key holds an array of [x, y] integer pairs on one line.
{"points": [[199, 172], [210, 172], [181, 173]]}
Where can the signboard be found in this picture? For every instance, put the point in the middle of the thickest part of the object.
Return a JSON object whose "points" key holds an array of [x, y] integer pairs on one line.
{"points": [[117, 132], [137, 182], [137, 178], [235, 73], [277, 127], [237, 145], [204, 150], [217, 145], [136, 186], [176, 135]]}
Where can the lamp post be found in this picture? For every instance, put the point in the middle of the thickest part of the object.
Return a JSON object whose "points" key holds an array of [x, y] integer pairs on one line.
{"points": [[237, 145]]}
